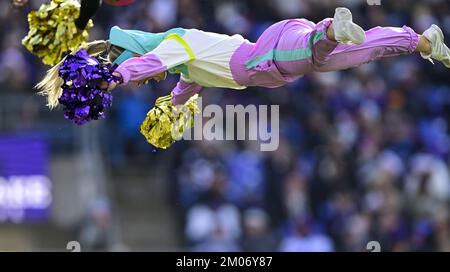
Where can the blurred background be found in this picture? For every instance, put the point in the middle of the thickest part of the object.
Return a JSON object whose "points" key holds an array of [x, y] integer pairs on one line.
{"points": [[363, 155]]}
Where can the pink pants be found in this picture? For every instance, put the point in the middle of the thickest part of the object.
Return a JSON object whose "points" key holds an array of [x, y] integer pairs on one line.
{"points": [[327, 55]]}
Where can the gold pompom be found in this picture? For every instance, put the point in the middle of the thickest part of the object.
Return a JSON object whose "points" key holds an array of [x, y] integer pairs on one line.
{"points": [[53, 31], [166, 123]]}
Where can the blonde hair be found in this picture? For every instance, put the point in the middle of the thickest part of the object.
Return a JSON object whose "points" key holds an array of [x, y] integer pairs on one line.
{"points": [[50, 85]]}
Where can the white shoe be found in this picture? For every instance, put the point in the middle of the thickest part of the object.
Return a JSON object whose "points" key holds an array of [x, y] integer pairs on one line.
{"points": [[345, 31], [439, 51]]}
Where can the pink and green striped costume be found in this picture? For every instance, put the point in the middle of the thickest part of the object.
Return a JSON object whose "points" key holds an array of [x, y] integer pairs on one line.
{"points": [[285, 52]]}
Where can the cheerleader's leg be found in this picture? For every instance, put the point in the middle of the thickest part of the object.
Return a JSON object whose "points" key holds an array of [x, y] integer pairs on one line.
{"points": [[381, 42]]}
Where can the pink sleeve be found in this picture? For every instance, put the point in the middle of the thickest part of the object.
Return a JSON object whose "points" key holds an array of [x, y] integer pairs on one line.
{"points": [[140, 68], [183, 91]]}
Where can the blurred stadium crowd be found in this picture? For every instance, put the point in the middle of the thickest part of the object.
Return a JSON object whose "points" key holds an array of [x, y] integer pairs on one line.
{"points": [[364, 153]]}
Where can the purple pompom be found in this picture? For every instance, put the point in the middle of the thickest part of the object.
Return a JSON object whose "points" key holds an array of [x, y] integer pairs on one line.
{"points": [[82, 98]]}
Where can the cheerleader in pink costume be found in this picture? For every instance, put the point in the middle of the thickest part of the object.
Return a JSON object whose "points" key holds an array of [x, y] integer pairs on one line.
{"points": [[285, 52]]}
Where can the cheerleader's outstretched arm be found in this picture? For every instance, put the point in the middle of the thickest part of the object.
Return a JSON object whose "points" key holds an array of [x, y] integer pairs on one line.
{"points": [[184, 90], [153, 65], [141, 68]]}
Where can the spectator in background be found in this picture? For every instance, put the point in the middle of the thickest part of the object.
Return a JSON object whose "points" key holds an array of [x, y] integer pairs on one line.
{"points": [[214, 223], [197, 172], [258, 236], [304, 238], [96, 232], [246, 181]]}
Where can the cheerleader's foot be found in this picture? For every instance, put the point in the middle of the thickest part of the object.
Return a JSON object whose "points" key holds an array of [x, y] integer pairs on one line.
{"points": [[345, 31], [439, 51]]}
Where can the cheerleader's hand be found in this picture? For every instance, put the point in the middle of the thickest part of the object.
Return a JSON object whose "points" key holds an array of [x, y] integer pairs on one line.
{"points": [[110, 86]]}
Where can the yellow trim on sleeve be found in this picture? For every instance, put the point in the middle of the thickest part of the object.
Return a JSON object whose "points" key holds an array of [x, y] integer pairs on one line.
{"points": [[182, 42]]}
